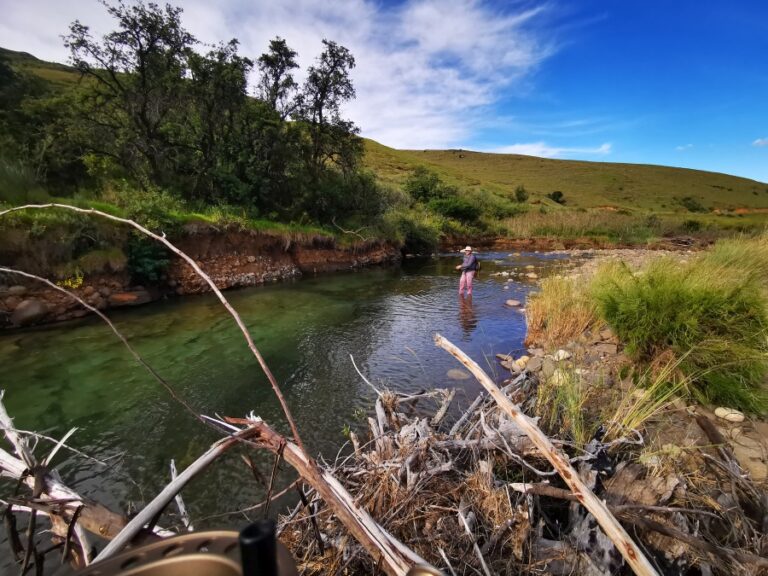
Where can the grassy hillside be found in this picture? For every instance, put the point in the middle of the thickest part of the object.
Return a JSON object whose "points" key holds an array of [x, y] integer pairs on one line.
{"points": [[60, 75], [584, 184]]}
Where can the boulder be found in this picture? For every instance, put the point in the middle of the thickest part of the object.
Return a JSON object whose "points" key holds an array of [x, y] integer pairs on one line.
{"points": [[536, 352], [17, 290], [729, 414], [513, 303], [604, 348], [532, 275], [512, 366], [504, 357], [11, 302], [29, 312], [105, 292], [457, 374], [548, 367], [88, 291]]}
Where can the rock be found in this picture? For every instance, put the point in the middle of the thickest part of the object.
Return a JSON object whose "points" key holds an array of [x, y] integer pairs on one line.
{"points": [[88, 291], [512, 366], [561, 355], [750, 454], [457, 374], [607, 335], [29, 312], [105, 292], [605, 348], [11, 302], [3, 288], [559, 377], [548, 367], [251, 259], [534, 364], [504, 357], [530, 267], [506, 287], [532, 275], [504, 273], [133, 298], [522, 362], [513, 303], [536, 352], [17, 290], [729, 414]]}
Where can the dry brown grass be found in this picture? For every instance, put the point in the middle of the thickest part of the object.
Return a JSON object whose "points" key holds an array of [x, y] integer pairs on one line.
{"points": [[560, 312]]}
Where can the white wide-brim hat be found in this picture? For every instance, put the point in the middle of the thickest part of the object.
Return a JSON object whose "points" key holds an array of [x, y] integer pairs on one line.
{"points": [[467, 249]]}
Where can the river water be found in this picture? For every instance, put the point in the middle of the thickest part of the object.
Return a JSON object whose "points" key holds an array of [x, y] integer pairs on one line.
{"points": [[79, 375]]}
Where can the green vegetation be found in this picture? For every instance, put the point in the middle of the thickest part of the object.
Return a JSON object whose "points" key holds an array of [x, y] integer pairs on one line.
{"points": [[708, 317]]}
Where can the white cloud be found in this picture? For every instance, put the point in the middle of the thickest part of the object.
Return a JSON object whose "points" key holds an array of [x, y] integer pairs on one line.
{"points": [[426, 69], [760, 142], [683, 147], [545, 151]]}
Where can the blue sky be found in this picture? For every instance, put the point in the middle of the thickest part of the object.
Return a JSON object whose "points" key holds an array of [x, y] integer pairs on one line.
{"points": [[678, 83]]}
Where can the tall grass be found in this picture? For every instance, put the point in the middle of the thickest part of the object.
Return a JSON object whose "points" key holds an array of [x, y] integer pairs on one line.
{"points": [[561, 311], [712, 314], [18, 184]]}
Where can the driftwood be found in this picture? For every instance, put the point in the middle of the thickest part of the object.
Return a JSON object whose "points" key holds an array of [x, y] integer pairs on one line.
{"points": [[629, 550]]}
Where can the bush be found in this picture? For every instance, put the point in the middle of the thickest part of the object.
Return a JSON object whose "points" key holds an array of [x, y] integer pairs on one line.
{"points": [[707, 314], [423, 184], [521, 194], [690, 226], [18, 184], [417, 230], [457, 208], [557, 196], [147, 259], [692, 204]]}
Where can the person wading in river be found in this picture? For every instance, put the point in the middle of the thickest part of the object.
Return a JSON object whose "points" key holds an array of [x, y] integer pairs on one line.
{"points": [[468, 268]]}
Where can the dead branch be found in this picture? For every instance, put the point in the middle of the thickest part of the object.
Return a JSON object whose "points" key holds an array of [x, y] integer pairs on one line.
{"points": [[440, 414], [180, 502], [629, 550]]}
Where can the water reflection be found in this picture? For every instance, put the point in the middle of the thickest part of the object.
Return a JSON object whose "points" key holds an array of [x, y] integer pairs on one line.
{"points": [[467, 316]]}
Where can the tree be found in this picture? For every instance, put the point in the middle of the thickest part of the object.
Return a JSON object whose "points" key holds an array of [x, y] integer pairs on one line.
{"points": [[557, 196], [521, 194], [328, 86], [276, 84], [137, 87]]}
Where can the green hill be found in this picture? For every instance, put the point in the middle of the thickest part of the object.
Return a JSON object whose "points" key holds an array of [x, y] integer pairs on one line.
{"points": [[59, 75], [584, 184]]}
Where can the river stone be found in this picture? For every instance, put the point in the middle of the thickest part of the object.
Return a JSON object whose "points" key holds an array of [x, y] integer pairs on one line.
{"points": [[532, 275], [251, 259], [750, 454], [729, 414], [513, 303], [133, 298], [548, 367], [522, 362], [105, 292], [17, 290], [559, 377], [504, 357], [457, 374], [534, 364], [530, 267], [29, 312], [606, 348], [561, 355], [88, 290], [536, 352], [11, 302]]}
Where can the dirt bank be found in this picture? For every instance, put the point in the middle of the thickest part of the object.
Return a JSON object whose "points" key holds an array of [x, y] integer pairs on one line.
{"points": [[233, 259], [549, 244]]}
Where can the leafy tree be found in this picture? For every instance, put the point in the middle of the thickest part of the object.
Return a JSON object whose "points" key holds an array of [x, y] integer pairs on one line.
{"points": [[276, 84], [137, 87], [332, 139], [521, 194]]}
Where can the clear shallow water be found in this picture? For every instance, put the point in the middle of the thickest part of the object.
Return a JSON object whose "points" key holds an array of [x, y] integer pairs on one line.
{"points": [[79, 374]]}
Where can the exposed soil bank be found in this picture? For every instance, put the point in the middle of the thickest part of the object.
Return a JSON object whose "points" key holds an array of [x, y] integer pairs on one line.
{"points": [[233, 259]]}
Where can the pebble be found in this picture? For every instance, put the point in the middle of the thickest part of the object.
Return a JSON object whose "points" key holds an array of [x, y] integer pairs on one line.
{"points": [[729, 414], [513, 303], [532, 275]]}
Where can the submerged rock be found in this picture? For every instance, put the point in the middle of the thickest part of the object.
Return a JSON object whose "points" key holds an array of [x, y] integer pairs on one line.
{"points": [[457, 374], [513, 303]]}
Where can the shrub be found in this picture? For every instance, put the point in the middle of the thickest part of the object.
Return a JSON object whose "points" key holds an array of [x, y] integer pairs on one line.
{"points": [[557, 196], [18, 184], [417, 230], [458, 208], [423, 184], [692, 204], [690, 226], [705, 313], [147, 259], [521, 194]]}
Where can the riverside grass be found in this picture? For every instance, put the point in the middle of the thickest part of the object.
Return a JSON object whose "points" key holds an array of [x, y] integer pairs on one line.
{"points": [[709, 317]]}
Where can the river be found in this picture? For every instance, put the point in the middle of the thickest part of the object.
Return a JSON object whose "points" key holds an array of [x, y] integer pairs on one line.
{"points": [[79, 375]]}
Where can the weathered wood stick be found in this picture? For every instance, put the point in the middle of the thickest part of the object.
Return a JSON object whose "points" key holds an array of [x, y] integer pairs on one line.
{"points": [[440, 414], [629, 550], [464, 417], [167, 494], [180, 501], [204, 276], [396, 559]]}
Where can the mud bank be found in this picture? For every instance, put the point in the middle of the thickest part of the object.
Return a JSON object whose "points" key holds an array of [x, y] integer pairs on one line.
{"points": [[233, 259]]}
